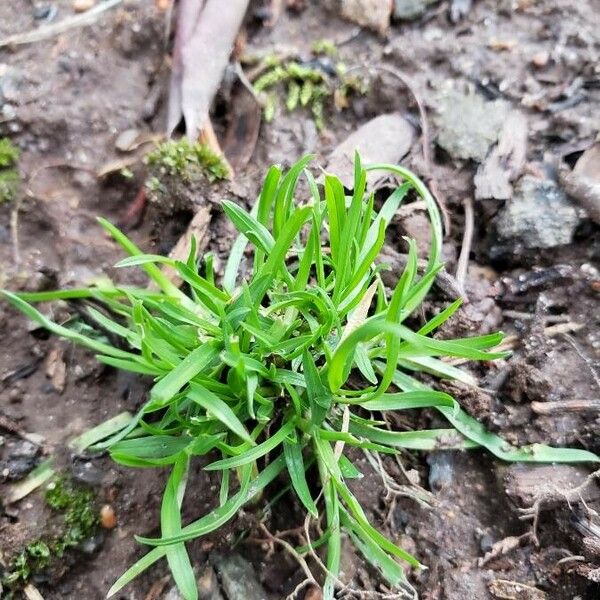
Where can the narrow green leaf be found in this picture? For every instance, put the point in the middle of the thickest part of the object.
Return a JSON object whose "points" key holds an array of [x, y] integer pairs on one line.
{"points": [[219, 410], [194, 363], [297, 471], [253, 454]]}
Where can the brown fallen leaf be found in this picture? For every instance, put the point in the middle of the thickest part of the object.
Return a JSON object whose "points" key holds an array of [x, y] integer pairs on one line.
{"points": [[505, 162], [244, 125], [204, 38], [513, 590], [384, 139], [56, 370]]}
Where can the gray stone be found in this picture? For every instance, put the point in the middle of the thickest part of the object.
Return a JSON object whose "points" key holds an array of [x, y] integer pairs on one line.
{"points": [[86, 472], [441, 469], [537, 216], [238, 578], [467, 124], [384, 139], [411, 9], [92, 544]]}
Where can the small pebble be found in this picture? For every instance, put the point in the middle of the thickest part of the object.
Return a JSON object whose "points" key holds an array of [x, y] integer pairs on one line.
{"points": [[108, 517], [83, 5], [46, 12], [540, 59]]}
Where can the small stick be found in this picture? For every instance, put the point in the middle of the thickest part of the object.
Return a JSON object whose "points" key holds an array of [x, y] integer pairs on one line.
{"points": [[48, 31], [525, 316], [566, 406], [465, 251], [32, 593]]}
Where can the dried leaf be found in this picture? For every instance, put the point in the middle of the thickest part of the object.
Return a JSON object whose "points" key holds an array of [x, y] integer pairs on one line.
{"points": [[244, 125], [385, 139], [200, 58], [56, 370]]}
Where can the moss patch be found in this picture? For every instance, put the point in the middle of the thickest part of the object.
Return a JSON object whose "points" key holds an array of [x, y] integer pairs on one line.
{"points": [[184, 159], [313, 85], [79, 522], [9, 176]]}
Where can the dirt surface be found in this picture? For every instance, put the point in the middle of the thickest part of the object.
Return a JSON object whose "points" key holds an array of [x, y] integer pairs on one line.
{"points": [[64, 101]]}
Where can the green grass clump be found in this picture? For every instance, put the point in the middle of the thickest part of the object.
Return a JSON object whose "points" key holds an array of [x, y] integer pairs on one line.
{"points": [[79, 523], [283, 366], [184, 159], [9, 176], [306, 86]]}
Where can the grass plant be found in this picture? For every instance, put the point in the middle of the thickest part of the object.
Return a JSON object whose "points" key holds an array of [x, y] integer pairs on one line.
{"points": [[284, 364]]}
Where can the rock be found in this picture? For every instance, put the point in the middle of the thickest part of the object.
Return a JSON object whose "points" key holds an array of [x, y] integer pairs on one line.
{"points": [[126, 140], [537, 216], [505, 162], [441, 469], [374, 14], [83, 5], [385, 139], [551, 485], [21, 458], [45, 12], [11, 80], [468, 125], [540, 59], [238, 578], [86, 472], [411, 9]]}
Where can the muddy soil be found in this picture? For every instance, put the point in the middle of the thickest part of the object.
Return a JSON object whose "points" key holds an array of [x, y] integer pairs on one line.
{"points": [[64, 101]]}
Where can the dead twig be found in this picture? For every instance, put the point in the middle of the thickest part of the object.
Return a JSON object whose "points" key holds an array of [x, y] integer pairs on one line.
{"points": [[309, 579], [569, 495], [566, 406], [47, 31], [32, 593], [504, 546], [525, 316], [465, 250]]}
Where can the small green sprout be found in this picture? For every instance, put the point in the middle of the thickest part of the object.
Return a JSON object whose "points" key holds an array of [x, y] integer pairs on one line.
{"points": [[307, 86], [184, 159], [282, 367], [9, 176]]}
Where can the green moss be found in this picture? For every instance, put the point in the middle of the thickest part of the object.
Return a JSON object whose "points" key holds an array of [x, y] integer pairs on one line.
{"points": [[325, 47], [9, 176], [9, 153], [306, 86], [182, 158], [80, 522]]}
